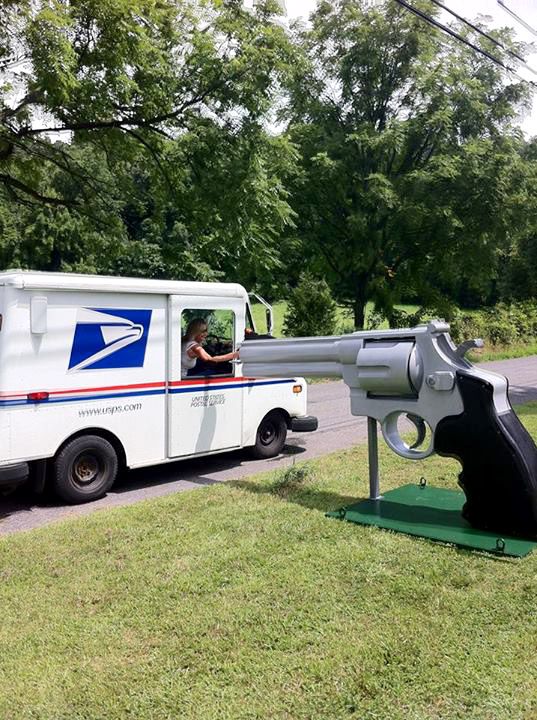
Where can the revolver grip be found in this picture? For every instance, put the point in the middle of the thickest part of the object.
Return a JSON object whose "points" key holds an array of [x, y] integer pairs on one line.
{"points": [[498, 458]]}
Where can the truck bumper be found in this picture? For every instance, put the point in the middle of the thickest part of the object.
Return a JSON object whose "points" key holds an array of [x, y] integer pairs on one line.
{"points": [[11, 475], [308, 423]]}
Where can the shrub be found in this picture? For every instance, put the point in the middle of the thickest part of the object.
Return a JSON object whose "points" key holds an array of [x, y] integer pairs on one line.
{"points": [[501, 325], [311, 309], [292, 478]]}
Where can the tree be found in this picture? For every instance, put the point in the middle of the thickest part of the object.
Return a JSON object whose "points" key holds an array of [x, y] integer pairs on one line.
{"points": [[226, 207], [311, 309], [408, 150], [120, 72], [159, 163], [216, 215], [518, 280]]}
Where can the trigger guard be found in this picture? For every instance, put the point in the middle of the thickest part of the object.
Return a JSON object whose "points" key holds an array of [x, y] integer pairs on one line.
{"points": [[390, 432], [421, 429]]}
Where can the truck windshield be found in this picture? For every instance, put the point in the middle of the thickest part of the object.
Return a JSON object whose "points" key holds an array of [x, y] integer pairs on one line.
{"points": [[258, 316]]}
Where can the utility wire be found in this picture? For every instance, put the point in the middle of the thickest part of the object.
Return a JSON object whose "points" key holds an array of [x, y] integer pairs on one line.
{"points": [[517, 18], [432, 21], [485, 34]]}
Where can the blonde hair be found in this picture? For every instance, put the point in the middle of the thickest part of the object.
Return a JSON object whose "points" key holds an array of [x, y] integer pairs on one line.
{"points": [[194, 328]]}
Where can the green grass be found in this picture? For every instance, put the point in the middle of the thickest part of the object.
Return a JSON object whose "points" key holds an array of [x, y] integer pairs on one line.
{"points": [[504, 353], [278, 310], [242, 600]]}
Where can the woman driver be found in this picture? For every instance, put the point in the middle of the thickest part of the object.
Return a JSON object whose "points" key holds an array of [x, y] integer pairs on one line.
{"points": [[191, 347]]}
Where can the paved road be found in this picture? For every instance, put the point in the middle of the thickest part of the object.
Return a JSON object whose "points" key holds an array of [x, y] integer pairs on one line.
{"points": [[338, 429]]}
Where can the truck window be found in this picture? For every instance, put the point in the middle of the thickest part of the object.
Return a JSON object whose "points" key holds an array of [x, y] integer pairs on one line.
{"points": [[259, 317], [219, 326]]}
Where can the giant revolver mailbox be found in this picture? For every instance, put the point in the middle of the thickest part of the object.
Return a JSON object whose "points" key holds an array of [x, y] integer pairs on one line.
{"points": [[419, 373]]}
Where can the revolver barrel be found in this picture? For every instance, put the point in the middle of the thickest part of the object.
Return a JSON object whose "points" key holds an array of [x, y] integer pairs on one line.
{"points": [[382, 366], [312, 356]]}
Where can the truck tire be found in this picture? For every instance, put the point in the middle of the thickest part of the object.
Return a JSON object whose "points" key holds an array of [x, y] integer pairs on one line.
{"points": [[84, 469], [270, 437]]}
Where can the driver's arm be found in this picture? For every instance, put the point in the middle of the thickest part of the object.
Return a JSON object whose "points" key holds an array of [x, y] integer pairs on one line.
{"points": [[202, 354]]}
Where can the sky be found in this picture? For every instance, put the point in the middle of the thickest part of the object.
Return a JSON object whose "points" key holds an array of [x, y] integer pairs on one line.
{"points": [[470, 9]]}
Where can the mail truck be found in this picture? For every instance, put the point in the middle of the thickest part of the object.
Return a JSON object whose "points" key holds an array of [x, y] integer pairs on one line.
{"points": [[91, 380]]}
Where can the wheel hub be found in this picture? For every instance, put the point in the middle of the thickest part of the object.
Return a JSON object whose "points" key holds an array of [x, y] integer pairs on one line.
{"points": [[85, 468], [267, 434]]}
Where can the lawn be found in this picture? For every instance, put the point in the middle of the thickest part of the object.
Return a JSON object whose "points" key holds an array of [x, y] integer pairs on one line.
{"points": [[344, 317], [242, 600]]}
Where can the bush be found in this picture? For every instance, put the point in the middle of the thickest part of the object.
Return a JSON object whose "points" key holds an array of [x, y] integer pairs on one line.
{"points": [[501, 325], [311, 309], [292, 479]]}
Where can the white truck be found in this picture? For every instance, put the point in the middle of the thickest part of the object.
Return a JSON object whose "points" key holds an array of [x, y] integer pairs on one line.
{"points": [[91, 380]]}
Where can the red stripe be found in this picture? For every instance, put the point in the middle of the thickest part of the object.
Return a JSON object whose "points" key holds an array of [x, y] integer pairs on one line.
{"points": [[89, 390], [110, 388]]}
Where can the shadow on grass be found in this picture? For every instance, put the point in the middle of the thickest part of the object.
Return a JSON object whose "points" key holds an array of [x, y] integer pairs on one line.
{"points": [[26, 509], [308, 497], [314, 499]]}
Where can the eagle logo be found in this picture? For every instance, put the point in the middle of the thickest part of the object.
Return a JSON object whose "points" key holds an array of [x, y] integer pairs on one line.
{"points": [[107, 338]]}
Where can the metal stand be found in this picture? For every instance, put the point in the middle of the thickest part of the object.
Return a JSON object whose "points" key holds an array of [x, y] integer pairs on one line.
{"points": [[373, 450]]}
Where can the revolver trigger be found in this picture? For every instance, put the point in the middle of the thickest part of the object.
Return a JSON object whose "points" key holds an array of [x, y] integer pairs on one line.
{"points": [[463, 348], [421, 429]]}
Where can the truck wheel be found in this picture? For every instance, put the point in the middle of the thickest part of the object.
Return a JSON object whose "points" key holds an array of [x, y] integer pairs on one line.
{"points": [[271, 435], [85, 469]]}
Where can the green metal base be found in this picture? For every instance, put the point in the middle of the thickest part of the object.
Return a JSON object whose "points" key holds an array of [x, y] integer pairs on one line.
{"points": [[433, 513]]}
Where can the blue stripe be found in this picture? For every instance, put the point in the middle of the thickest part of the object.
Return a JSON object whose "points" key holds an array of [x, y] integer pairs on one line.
{"points": [[78, 398], [173, 391], [217, 386]]}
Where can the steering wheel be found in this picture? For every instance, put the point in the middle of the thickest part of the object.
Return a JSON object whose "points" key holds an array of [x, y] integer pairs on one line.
{"points": [[219, 343]]}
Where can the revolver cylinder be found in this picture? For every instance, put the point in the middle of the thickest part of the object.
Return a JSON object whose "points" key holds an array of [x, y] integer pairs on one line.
{"points": [[390, 368]]}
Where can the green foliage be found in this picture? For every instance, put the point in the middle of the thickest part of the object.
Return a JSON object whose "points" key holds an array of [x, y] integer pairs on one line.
{"points": [[164, 167], [311, 309], [518, 279], [410, 160], [397, 318], [401, 175], [500, 326], [293, 479]]}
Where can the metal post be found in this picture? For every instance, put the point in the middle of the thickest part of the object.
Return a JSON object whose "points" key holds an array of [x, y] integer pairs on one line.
{"points": [[373, 449]]}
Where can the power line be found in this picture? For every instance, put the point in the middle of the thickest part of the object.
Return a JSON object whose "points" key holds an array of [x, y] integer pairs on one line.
{"points": [[432, 21], [516, 17], [485, 34]]}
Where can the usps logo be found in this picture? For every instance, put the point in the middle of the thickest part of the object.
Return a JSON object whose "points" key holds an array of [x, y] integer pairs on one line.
{"points": [[108, 338]]}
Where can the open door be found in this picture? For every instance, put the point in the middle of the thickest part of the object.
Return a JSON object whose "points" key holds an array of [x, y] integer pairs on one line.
{"points": [[205, 402]]}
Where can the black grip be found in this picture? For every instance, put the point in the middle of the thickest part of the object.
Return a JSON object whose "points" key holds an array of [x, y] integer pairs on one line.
{"points": [[498, 458]]}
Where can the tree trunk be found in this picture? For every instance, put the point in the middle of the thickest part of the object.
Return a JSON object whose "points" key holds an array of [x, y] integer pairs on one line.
{"points": [[359, 313], [55, 263]]}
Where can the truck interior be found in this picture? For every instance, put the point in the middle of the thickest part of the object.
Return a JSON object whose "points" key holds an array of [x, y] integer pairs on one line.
{"points": [[219, 340]]}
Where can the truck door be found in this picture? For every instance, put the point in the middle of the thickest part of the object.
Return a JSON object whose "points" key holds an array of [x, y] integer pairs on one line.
{"points": [[205, 402]]}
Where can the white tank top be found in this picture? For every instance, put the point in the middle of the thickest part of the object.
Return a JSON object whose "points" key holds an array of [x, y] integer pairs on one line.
{"points": [[187, 362]]}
